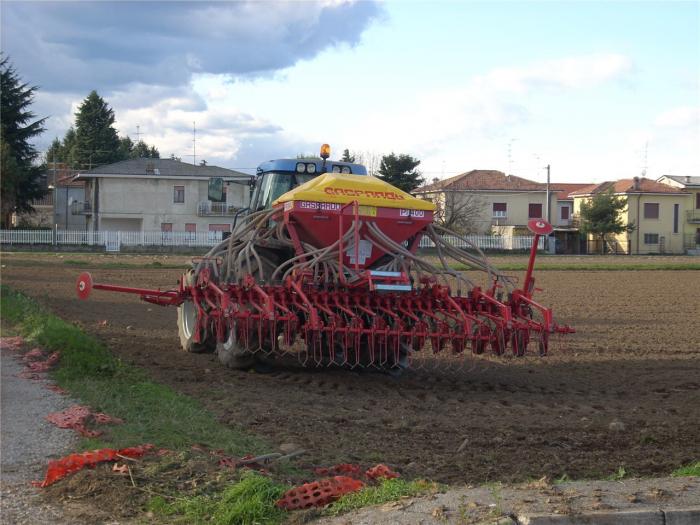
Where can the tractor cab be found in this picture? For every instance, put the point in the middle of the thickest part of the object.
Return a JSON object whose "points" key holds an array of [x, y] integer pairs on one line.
{"points": [[277, 177]]}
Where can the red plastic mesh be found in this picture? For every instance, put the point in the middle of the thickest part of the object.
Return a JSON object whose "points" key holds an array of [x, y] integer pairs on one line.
{"points": [[77, 416], [318, 493], [61, 468], [381, 471], [11, 343], [34, 354], [347, 469]]}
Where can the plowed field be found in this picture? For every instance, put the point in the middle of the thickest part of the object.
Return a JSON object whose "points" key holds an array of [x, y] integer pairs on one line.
{"points": [[635, 360]]}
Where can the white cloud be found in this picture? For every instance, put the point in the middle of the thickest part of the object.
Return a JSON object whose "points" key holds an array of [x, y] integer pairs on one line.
{"points": [[680, 117], [566, 73]]}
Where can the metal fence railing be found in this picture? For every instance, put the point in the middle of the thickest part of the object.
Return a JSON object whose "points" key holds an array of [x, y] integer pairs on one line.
{"points": [[488, 242], [109, 239], [113, 240]]}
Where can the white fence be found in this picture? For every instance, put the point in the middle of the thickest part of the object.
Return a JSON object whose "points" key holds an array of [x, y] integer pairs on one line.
{"points": [[488, 242], [112, 241]]}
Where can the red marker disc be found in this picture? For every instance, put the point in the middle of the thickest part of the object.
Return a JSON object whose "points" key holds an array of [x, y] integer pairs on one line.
{"points": [[539, 226], [84, 285]]}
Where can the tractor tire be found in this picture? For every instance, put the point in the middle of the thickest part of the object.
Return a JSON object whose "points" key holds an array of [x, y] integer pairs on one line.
{"points": [[186, 323]]}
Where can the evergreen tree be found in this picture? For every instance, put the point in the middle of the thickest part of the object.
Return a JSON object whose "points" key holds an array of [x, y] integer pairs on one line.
{"points": [[126, 148], [347, 157], [400, 171], [21, 178], [143, 150], [601, 215], [96, 139]]}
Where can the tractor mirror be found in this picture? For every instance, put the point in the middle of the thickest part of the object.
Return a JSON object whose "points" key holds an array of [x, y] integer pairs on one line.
{"points": [[216, 189]]}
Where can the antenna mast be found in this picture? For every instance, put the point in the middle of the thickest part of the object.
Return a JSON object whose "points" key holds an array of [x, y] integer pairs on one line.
{"points": [[194, 143]]}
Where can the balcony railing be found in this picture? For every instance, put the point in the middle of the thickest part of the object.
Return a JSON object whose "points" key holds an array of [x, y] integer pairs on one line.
{"points": [[693, 216], [81, 208], [216, 209]]}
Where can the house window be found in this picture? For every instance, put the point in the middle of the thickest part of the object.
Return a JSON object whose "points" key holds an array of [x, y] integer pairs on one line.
{"points": [[697, 201], [651, 238], [178, 194], [651, 210], [500, 210], [166, 227], [219, 227], [565, 213], [676, 213], [190, 230], [534, 211]]}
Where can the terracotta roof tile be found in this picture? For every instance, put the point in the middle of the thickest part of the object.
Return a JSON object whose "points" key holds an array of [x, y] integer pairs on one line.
{"points": [[628, 186], [564, 189], [484, 180]]}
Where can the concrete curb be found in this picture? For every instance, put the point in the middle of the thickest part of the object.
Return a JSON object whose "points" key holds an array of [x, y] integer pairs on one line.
{"points": [[688, 516]]}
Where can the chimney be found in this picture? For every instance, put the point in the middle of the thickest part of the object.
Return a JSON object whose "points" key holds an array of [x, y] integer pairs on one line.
{"points": [[636, 184], [687, 179]]}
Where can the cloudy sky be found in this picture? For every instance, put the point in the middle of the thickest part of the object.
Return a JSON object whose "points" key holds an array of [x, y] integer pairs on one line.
{"points": [[599, 90]]}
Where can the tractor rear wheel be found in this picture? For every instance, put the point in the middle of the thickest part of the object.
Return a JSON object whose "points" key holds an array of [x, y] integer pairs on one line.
{"points": [[186, 326]]}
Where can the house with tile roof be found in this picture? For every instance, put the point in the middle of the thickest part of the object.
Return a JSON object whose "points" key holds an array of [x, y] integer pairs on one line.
{"points": [[505, 202], [655, 209], [692, 213], [159, 194]]}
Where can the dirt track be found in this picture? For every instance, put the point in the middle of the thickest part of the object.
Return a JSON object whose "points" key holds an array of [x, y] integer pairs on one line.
{"points": [[636, 359]]}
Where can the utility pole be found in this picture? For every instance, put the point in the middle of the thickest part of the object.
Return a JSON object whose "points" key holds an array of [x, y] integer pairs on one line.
{"points": [[194, 143]]}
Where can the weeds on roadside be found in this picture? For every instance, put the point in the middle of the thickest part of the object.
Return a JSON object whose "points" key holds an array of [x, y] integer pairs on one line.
{"points": [[689, 470], [621, 473], [250, 501], [388, 490]]}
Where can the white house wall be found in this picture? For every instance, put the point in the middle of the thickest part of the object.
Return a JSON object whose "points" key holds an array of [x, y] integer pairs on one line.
{"points": [[150, 203]]}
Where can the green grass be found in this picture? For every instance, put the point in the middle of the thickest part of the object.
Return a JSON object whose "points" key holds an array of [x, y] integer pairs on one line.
{"points": [[591, 267], [619, 474], [388, 490], [689, 470], [152, 413], [250, 501]]}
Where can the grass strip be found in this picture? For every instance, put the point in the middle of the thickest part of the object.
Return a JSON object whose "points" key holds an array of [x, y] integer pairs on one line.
{"points": [[152, 412], [689, 470], [250, 501], [388, 490]]}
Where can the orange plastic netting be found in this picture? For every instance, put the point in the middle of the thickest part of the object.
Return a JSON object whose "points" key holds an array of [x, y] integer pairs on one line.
{"points": [[61, 468]]}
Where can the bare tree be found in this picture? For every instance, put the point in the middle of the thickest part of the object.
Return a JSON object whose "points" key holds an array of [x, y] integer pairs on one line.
{"points": [[459, 211], [370, 160]]}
